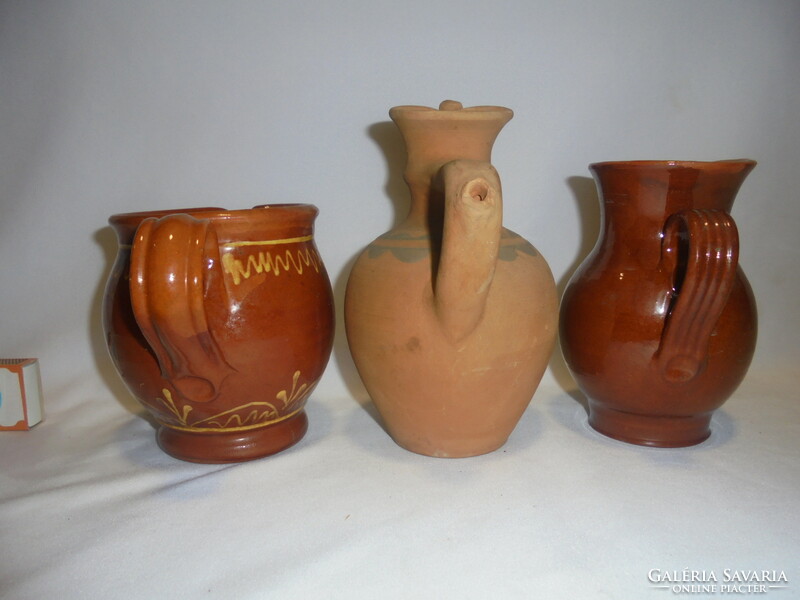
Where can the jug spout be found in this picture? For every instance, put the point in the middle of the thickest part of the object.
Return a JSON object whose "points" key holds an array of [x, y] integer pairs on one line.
{"points": [[470, 242]]}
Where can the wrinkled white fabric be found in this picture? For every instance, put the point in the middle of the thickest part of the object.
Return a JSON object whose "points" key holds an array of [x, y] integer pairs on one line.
{"points": [[91, 508]]}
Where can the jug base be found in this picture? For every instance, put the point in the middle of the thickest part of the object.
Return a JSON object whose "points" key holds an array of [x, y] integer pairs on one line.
{"points": [[234, 446], [451, 449], [659, 431]]}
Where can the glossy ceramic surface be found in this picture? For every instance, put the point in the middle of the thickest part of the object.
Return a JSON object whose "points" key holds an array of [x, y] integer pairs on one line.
{"points": [[658, 325], [221, 324]]}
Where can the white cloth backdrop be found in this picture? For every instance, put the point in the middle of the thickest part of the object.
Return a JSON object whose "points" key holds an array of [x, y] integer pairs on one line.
{"points": [[110, 107]]}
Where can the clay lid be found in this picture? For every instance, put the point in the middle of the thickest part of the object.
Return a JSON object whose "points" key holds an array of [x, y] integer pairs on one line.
{"points": [[451, 109]]}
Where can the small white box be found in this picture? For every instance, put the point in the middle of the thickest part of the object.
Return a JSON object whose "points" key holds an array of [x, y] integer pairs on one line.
{"points": [[20, 394]]}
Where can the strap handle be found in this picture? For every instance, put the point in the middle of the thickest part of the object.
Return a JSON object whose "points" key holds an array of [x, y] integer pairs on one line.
{"points": [[172, 263], [701, 248]]}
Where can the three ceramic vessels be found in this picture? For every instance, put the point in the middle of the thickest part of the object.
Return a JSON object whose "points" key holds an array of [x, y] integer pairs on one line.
{"points": [[658, 325], [450, 317], [220, 323]]}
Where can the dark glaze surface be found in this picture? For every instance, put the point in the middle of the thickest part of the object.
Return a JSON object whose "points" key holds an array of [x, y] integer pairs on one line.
{"points": [[635, 285], [228, 381]]}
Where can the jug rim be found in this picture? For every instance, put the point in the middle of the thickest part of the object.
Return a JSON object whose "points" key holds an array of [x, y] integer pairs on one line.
{"points": [[450, 110], [215, 212], [725, 164]]}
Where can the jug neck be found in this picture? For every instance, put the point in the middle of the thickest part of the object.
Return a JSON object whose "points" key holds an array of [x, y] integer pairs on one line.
{"points": [[637, 197], [235, 225], [435, 137]]}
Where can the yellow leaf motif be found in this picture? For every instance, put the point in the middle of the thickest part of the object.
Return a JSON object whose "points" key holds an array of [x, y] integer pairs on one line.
{"points": [[169, 403], [296, 392], [245, 416]]}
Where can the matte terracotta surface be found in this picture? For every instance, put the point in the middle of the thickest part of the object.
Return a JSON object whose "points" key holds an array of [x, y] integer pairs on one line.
{"points": [[658, 325], [221, 324], [451, 318]]}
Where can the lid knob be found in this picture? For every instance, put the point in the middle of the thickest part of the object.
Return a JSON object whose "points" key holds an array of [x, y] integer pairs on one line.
{"points": [[451, 105]]}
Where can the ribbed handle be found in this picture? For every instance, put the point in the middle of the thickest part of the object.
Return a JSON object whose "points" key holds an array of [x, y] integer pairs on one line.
{"points": [[172, 260], [702, 285]]}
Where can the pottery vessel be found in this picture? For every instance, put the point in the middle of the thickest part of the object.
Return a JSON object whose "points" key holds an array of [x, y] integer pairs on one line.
{"points": [[221, 324], [450, 317], [658, 325]]}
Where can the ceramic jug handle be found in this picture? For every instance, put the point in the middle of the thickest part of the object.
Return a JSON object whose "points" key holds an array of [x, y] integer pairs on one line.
{"points": [[701, 287], [172, 261]]}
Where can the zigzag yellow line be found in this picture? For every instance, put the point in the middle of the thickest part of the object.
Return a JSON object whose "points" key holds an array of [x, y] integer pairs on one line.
{"points": [[265, 262]]}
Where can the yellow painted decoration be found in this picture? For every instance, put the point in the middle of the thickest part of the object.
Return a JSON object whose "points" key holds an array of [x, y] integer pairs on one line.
{"points": [[294, 240], [251, 415], [296, 392], [169, 403], [267, 262]]}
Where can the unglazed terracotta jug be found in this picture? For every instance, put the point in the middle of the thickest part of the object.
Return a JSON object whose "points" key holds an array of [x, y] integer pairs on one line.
{"points": [[221, 324], [658, 325], [451, 318]]}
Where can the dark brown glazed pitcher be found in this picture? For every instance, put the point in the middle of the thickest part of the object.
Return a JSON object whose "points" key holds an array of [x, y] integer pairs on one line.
{"points": [[658, 325], [221, 324]]}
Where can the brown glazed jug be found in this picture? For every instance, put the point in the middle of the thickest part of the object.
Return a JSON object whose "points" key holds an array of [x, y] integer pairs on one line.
{"points": [[221, 324], [658, 325], [451, 318]]}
